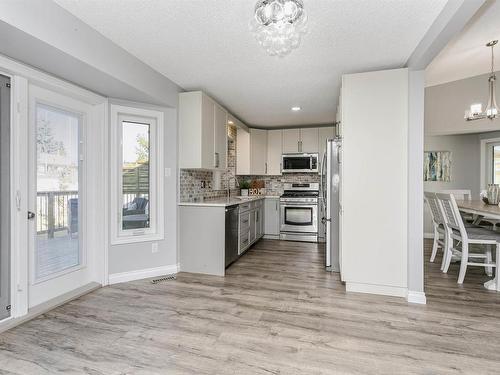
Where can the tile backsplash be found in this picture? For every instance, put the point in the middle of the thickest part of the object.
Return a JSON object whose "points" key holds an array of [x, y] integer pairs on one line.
{"points": [[274, 184], [197, 184]]}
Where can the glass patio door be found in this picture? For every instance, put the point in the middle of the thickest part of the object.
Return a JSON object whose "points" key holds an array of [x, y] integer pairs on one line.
{"points": [[57, 230]]}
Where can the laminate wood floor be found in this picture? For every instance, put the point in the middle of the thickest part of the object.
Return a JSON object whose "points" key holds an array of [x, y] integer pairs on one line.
{"points": [[276, 312]]}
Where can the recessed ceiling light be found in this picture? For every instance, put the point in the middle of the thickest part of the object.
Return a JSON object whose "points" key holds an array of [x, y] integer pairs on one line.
{"points": [[295, 109]]}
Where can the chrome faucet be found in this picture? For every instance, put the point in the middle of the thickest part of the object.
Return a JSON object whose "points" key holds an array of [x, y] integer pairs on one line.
{"points": [[229, 175]]}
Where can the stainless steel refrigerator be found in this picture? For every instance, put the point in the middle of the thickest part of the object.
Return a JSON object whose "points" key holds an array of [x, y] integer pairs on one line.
{"points": [[330, 199]]}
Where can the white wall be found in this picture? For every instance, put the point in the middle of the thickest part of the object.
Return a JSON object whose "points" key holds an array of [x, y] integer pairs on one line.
{"points": [[375, 172], [465, 166]]}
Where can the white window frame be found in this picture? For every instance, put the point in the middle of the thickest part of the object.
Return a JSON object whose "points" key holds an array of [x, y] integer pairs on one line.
{"points": [[486, 161], [155, 232]]}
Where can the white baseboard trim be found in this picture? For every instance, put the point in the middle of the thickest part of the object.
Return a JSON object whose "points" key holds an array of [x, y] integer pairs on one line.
{"points": [[384, 290], [123, 277], [429, 236], [416, 297]]}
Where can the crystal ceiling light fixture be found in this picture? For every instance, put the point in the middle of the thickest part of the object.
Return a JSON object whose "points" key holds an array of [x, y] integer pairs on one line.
{"points": [[475, 112], [278, 25]]}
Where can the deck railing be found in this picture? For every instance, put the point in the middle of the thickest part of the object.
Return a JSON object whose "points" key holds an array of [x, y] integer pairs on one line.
{"points": [[52, 211]]}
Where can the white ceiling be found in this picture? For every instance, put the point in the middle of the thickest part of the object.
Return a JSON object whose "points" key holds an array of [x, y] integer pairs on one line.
{"points": [[466, 55], [206, 44]]}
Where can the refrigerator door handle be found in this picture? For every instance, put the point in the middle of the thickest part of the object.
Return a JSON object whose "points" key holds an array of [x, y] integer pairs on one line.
{"points": [[322, 185]]}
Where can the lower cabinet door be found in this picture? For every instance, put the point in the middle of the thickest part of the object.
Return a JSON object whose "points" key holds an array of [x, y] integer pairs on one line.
{"points": [[272, 217], [252, 227]]}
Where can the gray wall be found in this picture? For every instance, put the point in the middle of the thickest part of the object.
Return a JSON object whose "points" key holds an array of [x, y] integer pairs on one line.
{"points": [[445, 106], [465, 167], [137, 256]]}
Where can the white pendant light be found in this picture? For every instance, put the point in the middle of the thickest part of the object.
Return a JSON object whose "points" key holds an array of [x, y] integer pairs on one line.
{"points": [[475, 112]]}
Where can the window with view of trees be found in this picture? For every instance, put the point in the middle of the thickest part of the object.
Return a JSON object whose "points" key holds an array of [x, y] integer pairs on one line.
{"points": [[138, 183], [135, 175]]}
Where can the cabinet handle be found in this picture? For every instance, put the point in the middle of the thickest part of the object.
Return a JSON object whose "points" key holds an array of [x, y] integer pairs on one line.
{"points": [[266, 168], [216, 160]]}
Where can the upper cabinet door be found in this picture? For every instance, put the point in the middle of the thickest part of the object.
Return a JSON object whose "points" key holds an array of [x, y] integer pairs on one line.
{"points": [[258, 152], [274, 151], [309, 140], [291, 141], [220, 136], [207, 134]]}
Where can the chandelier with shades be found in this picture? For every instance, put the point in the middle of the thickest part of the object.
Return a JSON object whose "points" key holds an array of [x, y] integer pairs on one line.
{"points": [[278, 25], [476, 110]]}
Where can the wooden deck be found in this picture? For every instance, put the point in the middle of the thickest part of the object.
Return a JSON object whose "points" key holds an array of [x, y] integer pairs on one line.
{"points": [[56, 254], [276, 312]]}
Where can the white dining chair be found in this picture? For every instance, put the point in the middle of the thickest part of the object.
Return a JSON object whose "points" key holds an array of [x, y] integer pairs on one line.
{"points": [[470, 235], [440, 230], [459, 194], [466, 195]]}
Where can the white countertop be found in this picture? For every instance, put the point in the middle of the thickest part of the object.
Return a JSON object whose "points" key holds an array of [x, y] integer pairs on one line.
{"points": [[223, 202]]}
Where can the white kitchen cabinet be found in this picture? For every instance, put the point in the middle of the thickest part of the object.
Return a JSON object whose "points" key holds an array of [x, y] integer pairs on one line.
{"points": [[309, 140], [291, 140], [258, 152], [259, 219], [300, 140], [202, 132], [272, 217], [220, 137], [274, 152], [242, 152]]}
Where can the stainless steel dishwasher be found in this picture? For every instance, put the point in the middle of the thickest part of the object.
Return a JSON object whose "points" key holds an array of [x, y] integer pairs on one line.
{"points": [[232, 221]]}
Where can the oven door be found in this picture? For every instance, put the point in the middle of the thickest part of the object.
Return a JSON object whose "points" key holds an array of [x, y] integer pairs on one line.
{"points": [[299, 217]]}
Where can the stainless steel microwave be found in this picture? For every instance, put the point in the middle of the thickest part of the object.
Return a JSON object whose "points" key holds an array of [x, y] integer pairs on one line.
{"points": [[303, 163]]}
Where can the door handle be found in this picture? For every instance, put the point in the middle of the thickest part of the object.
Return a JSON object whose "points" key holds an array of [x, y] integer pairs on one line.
{"points": [[31, 215], [324, 220]]}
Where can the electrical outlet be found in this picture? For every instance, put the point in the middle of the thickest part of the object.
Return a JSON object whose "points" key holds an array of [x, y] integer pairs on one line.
{"points": [[154, 247]]}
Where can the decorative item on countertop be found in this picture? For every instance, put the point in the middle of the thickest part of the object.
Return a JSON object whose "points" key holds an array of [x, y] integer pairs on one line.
{"points": [[244, 186], [257, 187], [492, 195]]}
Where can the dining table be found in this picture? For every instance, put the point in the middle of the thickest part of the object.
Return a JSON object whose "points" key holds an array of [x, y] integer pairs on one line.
{"points": [[480, 210]]}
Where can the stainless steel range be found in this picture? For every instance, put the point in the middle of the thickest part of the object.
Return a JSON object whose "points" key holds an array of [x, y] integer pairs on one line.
{"points": [[299, 212]]}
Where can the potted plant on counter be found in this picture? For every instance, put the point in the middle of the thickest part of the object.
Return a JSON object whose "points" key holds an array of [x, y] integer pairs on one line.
{"points": [[244, 186]]}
